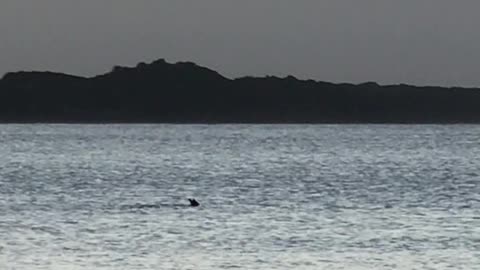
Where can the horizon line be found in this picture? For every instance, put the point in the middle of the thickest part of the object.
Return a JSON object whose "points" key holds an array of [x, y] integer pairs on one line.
{"points": [[237, 78]]}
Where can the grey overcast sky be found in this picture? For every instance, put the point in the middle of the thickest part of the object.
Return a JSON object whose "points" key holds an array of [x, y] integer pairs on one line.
{"points": [[423, 42]]}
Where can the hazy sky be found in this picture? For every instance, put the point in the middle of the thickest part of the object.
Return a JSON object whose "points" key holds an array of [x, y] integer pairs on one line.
{"points": [[390, 41]]}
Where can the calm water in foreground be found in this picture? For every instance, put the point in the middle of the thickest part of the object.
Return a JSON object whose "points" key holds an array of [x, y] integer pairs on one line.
{"points": [[273, 197]]}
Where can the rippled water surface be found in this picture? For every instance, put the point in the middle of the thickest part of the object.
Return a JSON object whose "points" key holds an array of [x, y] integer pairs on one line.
{"points": [[272, 197]]}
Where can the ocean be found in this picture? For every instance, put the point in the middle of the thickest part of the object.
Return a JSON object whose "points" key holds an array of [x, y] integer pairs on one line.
{"points": [[271, 197]]}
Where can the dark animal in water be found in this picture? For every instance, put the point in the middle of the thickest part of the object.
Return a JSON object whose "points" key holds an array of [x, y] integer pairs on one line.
{"points": [[193, 203]]}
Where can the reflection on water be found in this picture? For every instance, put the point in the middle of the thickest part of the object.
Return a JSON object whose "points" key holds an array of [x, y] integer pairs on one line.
{"points": [[272, 197]]}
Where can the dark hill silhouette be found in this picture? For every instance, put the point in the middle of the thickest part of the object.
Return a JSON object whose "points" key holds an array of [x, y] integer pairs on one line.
{"points": [[187, 93]]}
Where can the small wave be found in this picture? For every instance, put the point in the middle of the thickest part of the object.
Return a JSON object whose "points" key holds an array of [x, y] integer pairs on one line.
{"points": [[70, 222], [74, 249], [230, 266], [141, 206], [47, 229]]}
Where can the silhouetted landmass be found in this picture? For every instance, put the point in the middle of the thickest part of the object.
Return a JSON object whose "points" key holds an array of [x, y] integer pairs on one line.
{"points": [[161, 92]]}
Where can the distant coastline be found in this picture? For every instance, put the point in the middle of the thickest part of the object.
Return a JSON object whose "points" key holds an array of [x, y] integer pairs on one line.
{"points": [[186, 93]]}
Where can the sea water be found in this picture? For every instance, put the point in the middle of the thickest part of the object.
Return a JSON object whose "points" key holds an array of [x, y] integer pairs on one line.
{"points": [[272, 197]]}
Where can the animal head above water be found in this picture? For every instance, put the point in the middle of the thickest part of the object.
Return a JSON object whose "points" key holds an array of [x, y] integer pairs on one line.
{"points": [[193, 202]]}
